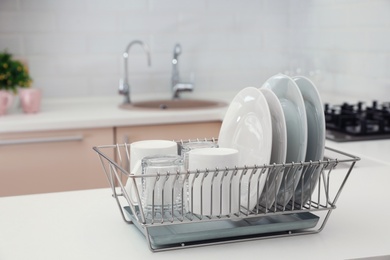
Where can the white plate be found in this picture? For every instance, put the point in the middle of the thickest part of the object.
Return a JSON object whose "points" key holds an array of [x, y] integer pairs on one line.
{"points": [[295, 115], [279, 147], [315, 138], [247, 127]]}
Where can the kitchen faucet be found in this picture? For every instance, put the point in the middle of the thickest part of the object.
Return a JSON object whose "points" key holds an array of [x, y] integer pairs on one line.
{"points": [[124, 86], [176, 85]]}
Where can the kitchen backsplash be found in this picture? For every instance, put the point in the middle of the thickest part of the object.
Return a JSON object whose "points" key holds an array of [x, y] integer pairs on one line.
{"points": [[344, 44], [74, 47]]}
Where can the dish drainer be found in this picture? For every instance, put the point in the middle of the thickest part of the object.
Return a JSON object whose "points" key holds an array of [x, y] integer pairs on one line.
{"points": [[178, 229]]}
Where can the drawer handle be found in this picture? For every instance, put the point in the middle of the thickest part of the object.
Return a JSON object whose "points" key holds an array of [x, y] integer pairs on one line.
{"points": [[42, 140]]}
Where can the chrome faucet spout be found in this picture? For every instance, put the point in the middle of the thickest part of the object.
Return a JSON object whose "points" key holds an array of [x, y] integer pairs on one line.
{"points": [[175, 71], [176, 50], [176, 85], [124, 86]]}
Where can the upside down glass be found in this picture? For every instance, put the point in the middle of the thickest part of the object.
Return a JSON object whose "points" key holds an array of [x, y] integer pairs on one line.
{"points": [[186, 147], [162, 187]]}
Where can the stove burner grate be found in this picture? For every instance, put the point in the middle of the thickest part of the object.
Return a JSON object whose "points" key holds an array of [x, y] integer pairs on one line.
{"points": [[350, 122]]}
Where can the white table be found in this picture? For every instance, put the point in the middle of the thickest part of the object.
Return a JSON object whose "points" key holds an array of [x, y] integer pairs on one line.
{"points": [[87, 225]]}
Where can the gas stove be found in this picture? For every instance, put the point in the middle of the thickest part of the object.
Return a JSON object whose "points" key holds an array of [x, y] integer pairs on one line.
{"points": [[357, 122]]}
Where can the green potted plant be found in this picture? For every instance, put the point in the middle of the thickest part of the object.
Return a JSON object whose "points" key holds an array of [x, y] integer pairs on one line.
{"points": [[13, 75]]}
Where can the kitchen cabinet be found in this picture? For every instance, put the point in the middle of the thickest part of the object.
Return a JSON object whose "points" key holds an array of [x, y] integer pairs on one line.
{"points": [[51, 161], [63, 160], [183, 131]]}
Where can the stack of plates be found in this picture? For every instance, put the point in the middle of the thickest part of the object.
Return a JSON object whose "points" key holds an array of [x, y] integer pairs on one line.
{"points": [[247, 127], [283, 121]]}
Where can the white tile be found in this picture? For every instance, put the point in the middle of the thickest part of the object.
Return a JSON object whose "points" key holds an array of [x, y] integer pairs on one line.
{"points": [[26, 22], [361, 39], [55, 44], [148, 23], [9, 5], [356, 86], [176, 6], [205, 22], [160, 63], [91, 22], [331, 16], [190, 42], [221, 42], [62, 86], [213, 61], [276, 40], [237, 80], [116, 44], [367, 64], [141, 83], [43, 66], [377, 39], [233, 6], [317, 40], [273, 60], [88, 65], [11, 43], [281, 6], [100, 85], [53, 5], [138, 64], [369, 13], [111, 43], [202, 82], [305, 6], [117, 5]]}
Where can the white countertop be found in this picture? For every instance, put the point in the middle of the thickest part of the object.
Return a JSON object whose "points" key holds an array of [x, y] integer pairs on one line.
{"points": [[92, 112], [372, 151], [87, 225]]}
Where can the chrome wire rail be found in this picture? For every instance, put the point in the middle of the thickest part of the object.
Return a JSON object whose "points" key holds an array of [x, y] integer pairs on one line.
{"points": [[321, 192]]}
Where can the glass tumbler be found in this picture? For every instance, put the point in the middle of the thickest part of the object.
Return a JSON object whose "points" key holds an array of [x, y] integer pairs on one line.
{"points": [[186, 147], [162, 187]]}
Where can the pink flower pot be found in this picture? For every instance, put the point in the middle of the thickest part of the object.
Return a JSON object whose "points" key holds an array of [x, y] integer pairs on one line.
{"points": [[30, 99], [5, 101]]}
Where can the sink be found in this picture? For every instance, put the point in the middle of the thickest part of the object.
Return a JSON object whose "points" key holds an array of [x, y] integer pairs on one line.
{"points": [[173, 104]]}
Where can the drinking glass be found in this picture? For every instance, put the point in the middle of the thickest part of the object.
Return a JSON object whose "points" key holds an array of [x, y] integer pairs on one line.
{"points": [[186, 147], [162, 187]]}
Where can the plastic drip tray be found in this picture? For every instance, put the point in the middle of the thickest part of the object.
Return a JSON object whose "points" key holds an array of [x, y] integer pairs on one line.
{"points": [[184, 233]]}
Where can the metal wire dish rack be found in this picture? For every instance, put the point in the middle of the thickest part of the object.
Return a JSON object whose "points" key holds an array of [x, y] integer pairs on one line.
{"points": [[178, 228]]}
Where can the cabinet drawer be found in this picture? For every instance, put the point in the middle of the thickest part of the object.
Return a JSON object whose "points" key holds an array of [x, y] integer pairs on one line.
{"points": [[51, 161]]}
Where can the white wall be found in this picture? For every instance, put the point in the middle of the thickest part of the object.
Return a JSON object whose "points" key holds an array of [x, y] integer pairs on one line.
{"points": [[343, 44], [74, 47]]}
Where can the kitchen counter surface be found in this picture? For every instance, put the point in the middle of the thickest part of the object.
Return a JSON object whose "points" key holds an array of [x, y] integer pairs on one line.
{"points": [[87, 225], [375, 151], [92, 112]]}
